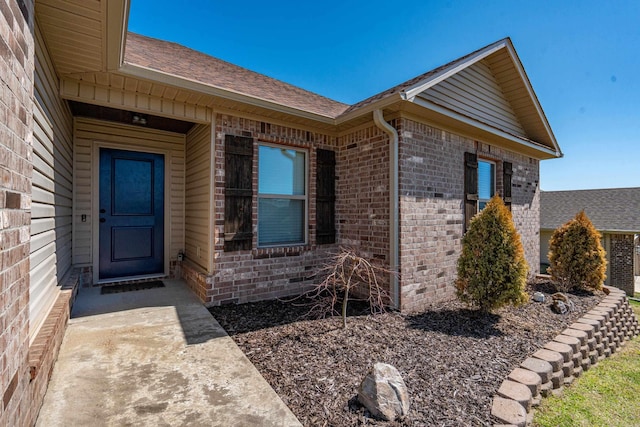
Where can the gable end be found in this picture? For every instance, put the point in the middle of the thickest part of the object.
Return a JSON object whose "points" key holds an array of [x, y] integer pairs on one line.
{"points": [[475, 93]]}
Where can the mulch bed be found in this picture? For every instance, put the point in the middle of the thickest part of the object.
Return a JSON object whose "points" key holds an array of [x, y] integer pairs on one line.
{"points": [[451, 358]]}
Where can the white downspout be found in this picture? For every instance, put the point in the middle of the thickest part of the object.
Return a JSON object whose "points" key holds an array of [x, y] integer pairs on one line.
{"points": [[378, 119]]}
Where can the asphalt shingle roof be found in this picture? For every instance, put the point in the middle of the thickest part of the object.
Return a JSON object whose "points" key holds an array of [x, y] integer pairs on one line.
{"points": [[181, 61], [613, 209], [177, 60]]}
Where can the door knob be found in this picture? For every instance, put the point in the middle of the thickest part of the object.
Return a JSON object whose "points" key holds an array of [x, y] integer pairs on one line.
{"points": [[102, 211], [103, 220]]}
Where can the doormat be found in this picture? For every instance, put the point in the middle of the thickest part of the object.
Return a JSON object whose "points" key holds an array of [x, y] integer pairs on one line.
{"points": [[128, 287]]}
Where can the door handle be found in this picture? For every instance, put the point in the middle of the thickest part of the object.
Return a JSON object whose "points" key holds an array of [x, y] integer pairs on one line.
{"points": [[103, 220], [102, 211]]}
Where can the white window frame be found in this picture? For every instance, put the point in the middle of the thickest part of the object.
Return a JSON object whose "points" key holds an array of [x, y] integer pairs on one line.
{"points": [[493, 190], [305, 197]]}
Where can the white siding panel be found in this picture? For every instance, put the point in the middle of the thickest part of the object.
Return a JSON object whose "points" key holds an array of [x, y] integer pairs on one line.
{"points": [[476, 93], [90, 134], [198, 196], [50, 248]]}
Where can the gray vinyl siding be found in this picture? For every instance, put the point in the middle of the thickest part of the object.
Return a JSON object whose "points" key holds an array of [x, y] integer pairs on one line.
{"points": [[88, 136], [198, 205], [476, 93], [51, 204]]}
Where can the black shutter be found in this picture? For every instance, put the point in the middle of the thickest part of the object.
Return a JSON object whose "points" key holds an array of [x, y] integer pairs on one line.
{"points": [[238, 192], [470, 187], [507, 173], [325, 197]]}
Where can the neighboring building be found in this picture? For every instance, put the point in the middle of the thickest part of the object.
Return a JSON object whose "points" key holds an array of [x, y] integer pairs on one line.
{"points": [[92, 114], [614, 212]]}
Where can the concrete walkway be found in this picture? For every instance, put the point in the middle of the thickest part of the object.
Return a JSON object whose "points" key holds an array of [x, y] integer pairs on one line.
{"points": [[154, 358]]}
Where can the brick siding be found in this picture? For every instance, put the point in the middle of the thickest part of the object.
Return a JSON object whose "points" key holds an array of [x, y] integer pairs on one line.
{"points": [[16, 126], [262, 273], [621, 259], [362, 212], [431, 212], [362, 196], [431, 208]]}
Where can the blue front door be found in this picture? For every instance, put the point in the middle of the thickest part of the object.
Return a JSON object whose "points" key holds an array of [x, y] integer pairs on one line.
{"points": [[131, 231]]}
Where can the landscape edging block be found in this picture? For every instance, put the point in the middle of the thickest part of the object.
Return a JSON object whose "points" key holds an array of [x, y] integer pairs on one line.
{"points": [[617, 314]]}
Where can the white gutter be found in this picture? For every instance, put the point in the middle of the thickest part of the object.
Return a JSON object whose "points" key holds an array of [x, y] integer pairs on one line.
{"points": [[378, 119]]}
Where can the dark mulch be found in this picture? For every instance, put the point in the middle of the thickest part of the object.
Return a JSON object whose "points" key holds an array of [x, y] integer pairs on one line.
{"points": [[452, 359]]}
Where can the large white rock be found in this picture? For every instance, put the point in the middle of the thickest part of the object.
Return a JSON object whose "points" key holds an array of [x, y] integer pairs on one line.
{"points": [[384, 393]]}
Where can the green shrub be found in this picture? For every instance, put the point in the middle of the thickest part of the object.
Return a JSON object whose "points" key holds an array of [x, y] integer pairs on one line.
{"points": [[576, 256], [492, 270]]}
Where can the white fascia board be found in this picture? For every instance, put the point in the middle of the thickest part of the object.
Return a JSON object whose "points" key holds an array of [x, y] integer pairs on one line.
{"points": [[115, 28], [181, 82], [484, 127], [419, 87]]}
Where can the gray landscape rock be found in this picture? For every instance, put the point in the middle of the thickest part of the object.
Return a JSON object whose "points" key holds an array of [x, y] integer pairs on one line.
{"points": [[538, 297], [561, 303], [559, 307], [384, 393]]}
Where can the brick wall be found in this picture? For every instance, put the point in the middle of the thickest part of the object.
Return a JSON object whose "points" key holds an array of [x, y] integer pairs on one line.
{"points": [[265, 273], [362, 211], [362, 196], [16, 106], [431, 208], [621, 259], [362, 193], [431, 213]]}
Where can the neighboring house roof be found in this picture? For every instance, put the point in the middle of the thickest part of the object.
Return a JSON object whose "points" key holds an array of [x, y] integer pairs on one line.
{"points": [[177, 60], [612, 209]]}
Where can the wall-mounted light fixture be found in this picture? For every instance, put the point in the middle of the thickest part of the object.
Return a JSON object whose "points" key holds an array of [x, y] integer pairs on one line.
{"points": [[139, 119]]}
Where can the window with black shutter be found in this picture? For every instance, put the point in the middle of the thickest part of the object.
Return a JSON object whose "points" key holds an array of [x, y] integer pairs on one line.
{"points": [[238, 193], [325, 197], [470, 187], [507, 173], [282, 196]]}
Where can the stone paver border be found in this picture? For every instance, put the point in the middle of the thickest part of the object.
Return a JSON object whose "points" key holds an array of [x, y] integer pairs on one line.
{"points": [[595, 336]]}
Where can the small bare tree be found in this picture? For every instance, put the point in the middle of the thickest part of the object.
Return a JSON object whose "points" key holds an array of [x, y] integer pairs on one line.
{"points": [[349, 276]]}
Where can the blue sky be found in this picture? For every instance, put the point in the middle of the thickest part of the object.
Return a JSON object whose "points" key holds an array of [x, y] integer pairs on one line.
{"points": [[582, 58]]}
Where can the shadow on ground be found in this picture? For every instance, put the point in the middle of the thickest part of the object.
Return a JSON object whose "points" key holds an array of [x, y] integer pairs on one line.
{"points": [[197, 326], [255, 316], [457, 322]]}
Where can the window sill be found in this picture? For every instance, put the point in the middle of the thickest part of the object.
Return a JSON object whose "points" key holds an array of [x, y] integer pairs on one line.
{"points": [[280, 251]]}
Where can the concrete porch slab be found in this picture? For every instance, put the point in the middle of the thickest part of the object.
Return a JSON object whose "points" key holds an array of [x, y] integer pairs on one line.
{"points": [[154, 357]]}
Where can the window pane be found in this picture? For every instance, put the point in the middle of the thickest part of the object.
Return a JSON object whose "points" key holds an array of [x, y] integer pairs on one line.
{"points": [[281, 171], [486, 178], [280, 221]]}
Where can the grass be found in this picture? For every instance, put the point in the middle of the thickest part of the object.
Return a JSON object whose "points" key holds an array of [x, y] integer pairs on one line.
{"points": [[608, 395]]}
